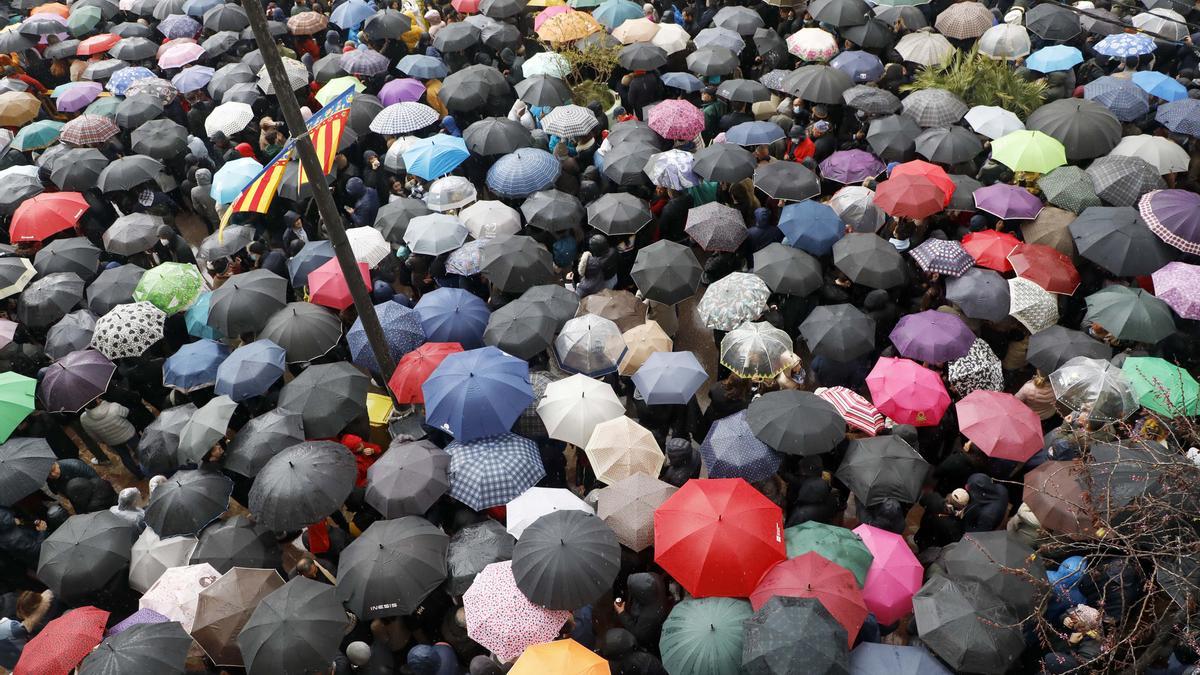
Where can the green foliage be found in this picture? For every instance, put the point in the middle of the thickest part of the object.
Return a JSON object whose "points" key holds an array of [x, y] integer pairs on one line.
{"points": [[979, 80], [591, 64]]}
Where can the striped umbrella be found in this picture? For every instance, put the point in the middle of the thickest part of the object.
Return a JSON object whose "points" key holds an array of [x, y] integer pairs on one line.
{"points": [[569, 121], [854, 408], [524, 171]]}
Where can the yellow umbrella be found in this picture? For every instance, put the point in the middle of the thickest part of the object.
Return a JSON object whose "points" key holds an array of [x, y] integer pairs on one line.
{"points": [[642, 341], [336, 86], [636, 30], [620, 448], [561, 657], [379, 409], [546, 3], [568, 27], [17, 108]]}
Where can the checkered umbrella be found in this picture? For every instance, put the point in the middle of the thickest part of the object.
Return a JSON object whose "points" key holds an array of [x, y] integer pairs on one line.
{"points": [[934, 107], [88, 130], [733, 300], [500, 618], [871, 100], [525, 171], [1035, 307], [494, 470], [128, 330], [1173, 215], [1125, 99], [1069, 187], [1181, 117], [1121, 181], [365, 62], [979, 369], [730, 450], [307, 23], [943, 257], [964, 20], [404, 117], [297, 75], [569, 121]]}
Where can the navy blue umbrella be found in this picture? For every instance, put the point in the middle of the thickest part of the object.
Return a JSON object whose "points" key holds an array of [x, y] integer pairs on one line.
{"points": [[730, 450], [667, 378], [251, 370], [401, 326], [493, 471], [453, 315], [313, 255], [811, 226], [477, 393], [194, 365]]}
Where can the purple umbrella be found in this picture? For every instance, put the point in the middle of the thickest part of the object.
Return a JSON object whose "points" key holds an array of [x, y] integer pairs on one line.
{"points": [[138, 617], [1008, 202], [944, 257], [402, 90], [178, 26], [932, 336], [77, 95], [1174, 215], [363, 61], [851, 166], [75, 380], [192, 78], [1178, 285]]}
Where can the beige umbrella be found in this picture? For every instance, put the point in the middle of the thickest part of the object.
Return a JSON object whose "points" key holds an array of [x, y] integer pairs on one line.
{"points": [[223, 608], [636, 30], [643, 341], [671, 37], [572, 407], [925, 47], [1035, 307], [1050, 229], [620, 448], [628, 505], [17, 108], [621, 307]]}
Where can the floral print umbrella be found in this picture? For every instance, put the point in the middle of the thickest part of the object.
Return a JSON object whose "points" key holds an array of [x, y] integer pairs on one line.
{"points": [[128, 330], [734, 300], [502, 619]]}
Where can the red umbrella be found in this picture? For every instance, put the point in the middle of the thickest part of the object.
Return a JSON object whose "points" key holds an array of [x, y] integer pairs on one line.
{"points": [[990, 249], [465, 6], [46, 214], [907, 392], [1045, 266], [1000, 425], [812, 576], [717, 537], [415, 367], [327, 286], [934, 173], [63, 643], [910, 197], [96, 44]]}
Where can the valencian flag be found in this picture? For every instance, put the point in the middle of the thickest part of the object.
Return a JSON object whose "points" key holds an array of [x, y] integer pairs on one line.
{"points": [[325, 129]]}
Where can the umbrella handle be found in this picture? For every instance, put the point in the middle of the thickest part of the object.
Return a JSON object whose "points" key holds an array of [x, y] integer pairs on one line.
{"points": [[324, 572]]}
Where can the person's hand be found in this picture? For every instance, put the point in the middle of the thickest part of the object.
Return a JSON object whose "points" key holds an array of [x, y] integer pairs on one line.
{"points": [[39, 525], [1075, 638], [374, 162], [367, 452], [619, 605]]}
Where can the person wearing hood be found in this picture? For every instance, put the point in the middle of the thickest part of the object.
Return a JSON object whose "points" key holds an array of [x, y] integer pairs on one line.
{"points": [[597, 267], [683, 462], [203, 202], [986, 506], [20, 544], [644, 607], [171, 247], [761, 233], [366, 203], [127, 508], [87, 495], [434, 23], [449, 126], [814, 500], [109, 424], [333, 42]]}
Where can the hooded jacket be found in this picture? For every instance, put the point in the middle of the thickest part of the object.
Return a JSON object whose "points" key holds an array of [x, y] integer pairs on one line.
{"points": [[366, 202], [19, 544], [202, 199]]}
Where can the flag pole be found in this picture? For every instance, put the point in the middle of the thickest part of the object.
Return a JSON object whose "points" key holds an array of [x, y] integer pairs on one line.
{"points": [[326, 207]]}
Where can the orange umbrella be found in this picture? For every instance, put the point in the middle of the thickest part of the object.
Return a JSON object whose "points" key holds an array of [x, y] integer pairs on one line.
{"points": [[561, 657], [52, 8], [568, 27]]}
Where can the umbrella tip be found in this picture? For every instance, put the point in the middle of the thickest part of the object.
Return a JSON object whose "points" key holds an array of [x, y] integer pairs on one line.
{"points": [[290, 464], [712, 628]]}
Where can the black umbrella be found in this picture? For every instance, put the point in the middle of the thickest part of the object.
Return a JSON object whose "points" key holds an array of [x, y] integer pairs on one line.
{"points": [[712, 62], [387, 24], [1052, 23], [634, 131], [248, 93], [108, 8], [295, 629], [461, 37], [226, 16], [883, 467], [625, 164], [566, 559], [408, 479], [818, 83], [999, 561], [967, 625], [872, 100], [391, 568], [963, 198], [141, 648], [473, 548], [560, 303], [392, 219], [362, 111], [158, 449], [496, 136], [20, 184], [873, 35], [743, 91], [113, 287], [304, 330], [642, 56], [666, 272], [1117, 239], [618, 214], [188, 501], [262, 438], [543, 90], [473, 86], [796, 422], [245, 302], [49, 299], [128, 29], [302, 485], [948, 145], [787, 181], [741, 20], [328, 396], [724, 163], [793, 635], [893, 137], [134, 48], [1049, 349], [136, 111], [228, 75], [220, 42], [515, 263], [521, 328], [869, 260], [78, 168], [787, 270], [102, 70], [24, 466], [839, 332], [160, 139], [1085, 128], [129, 172], [552, 210], [236, 542], [840, 13], [980, 293], [72, 333], [768, 40], [75, 255], [132, 234], [84, 554]]}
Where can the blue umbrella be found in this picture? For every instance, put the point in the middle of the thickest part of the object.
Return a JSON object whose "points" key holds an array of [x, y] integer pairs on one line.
{"points": [[811, 226], [682, 81], [194, 365], [192, 78], [199, 7], [1055, 57], [1126, 100], [434, 157], [178, 26], [351, 13], [423, 67], [870, 658], [123, 78], [613, 13], [401, 326], [1160, 85], [1181, 117], [477, 393], [1125, 44], [453, 315], [493, 471], [730, 450], [860, 66], [754, 133], [196, 319], [251, 370], [522, 173], [313, 255], [228, 181], [669, 378]]}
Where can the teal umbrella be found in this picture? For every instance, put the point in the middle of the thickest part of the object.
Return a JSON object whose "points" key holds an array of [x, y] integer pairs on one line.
{"points": [[16, 401], [703, 636], [1130, 314], [83, 19], [196, 319], [105, 106], [835, 544], [37, 135]]}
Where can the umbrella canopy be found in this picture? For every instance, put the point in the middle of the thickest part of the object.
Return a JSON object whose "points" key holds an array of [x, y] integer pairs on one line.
{"points": [[787, 270], [731, 450], [63, 642], [566, 559], [705, 635], [908, 392], [894, 576], [786, 181], [561, 656], [493, 386], [882, 468], [245, 302], [187, 502], [501, 619], [811, 226], [472, 549], [669, 378], [787, 630], [302, 485], [392, 567], [1130, 314], [628, 506], [24, 467], [1173, 216], [1098, 387], [1035, 307], [620, 448], [174, 594], [836, 544], [224, 607], [262, 438], [408, 479], [1085, 128], [1051, 348], [1121, 180], [236, 542], [75, 380], [158, 450], [967, 625], [305, 331], [1001, 562], [812, 576], [113, 287], [1016, 439], [591, 345], [85, 553], [492, 471], [402, 329], [869, 260], [666, 272], [516, 263], [733, 300], [1174, 284], [295, 627], [1108, 236], [72, 333], [453, 315], [204, 429], [795, 422], [716, 227], [328, 396], [250, 370], [756, 351], [1161, 386], [157, 647], [880, 658], [932, 337]]}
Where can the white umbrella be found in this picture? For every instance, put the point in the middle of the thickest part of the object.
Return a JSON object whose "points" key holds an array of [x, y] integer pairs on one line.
{"points": [[537, 502], [368, 245], [589, 344], [551, 64], [151, 556], [175, 593], [1163, 153], [435, 234], [449, 193], [490, 218], [925, 47], [620, 448], [572, 407], [228, 118], [1004, 42], [671, 38], [993, 121]]}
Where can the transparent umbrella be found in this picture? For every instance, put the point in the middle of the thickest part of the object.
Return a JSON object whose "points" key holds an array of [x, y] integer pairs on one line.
{"points": [[1095, 387]]}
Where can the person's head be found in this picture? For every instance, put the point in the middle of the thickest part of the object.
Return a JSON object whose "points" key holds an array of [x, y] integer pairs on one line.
{"points": [[819, 128], [598, 245], [708, 94], [762, 152], [55, 471], [293, 220], [215, 453], [307, 567], [424, 660], [959, 498], [355, 187], [127, 499], [156, 481], [358, 653]]}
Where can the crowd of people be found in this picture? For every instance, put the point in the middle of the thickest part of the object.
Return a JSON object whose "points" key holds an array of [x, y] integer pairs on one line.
{"points": [[838, 337]]}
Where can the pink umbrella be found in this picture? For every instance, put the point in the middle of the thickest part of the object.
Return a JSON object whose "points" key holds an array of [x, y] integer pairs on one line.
{"points": [[327, 287], [180, 54], [907, 392], [894, 577], [548, 13], [502, 619], [1178, 285], [402, 90], [676, 119], [1000, 425]]}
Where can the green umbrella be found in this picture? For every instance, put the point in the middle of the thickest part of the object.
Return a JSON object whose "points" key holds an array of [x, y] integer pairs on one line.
{"points": [[1029, 151], [83, 19], [172, 287], [16, 401], [1130, 314], [1162, 386], [37, 135], [703, 636], [105, 106], [835, 544]]}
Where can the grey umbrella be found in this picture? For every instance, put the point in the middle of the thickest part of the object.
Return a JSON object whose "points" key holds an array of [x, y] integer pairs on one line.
{"points": [[743, 91], [871, 100], [967, 625], [1049, 349], [84, 554], [645, 56], [113, 287], [408, 479], [388, 24], [15, 275], [560, 303], [135, 111], [796, 422], [552, 210], [244, 92], [141, 648], [1000, 562], [362, 111], [391, 568], [295, 629], [160, 139], [742, 20], [461, 38], [948, 145], [874, 34], [220, 42], [1117, 239], [839, 332], [787, 270], [158, 449], [1121, 181], [75, 255], [20, 183], [128, 172], [963, 198], [893, 137], [840, 13], [227, 16], [869, 260], [393, 217], [304, 330], [302, 485], [625, 163], [473, 548], [789, 631], [471, 88], [724, 163], [72, 333], [262, 438], [245, 302], [516, 263], [132, 234], [496, 136], [48, 299], [980, 294], [618, 214], [228, 75], [98, 71], [521, 328], [566, 559], [634, 131], [666, 272], [884, 467], [134, 49], [543, 90], [24, 466], [328, 396], [712, 61], [204, 429], [188, 501], [818, 83], [235, 238], [1053, 23], [1086, 128], [236, 542], [787, 181]]}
